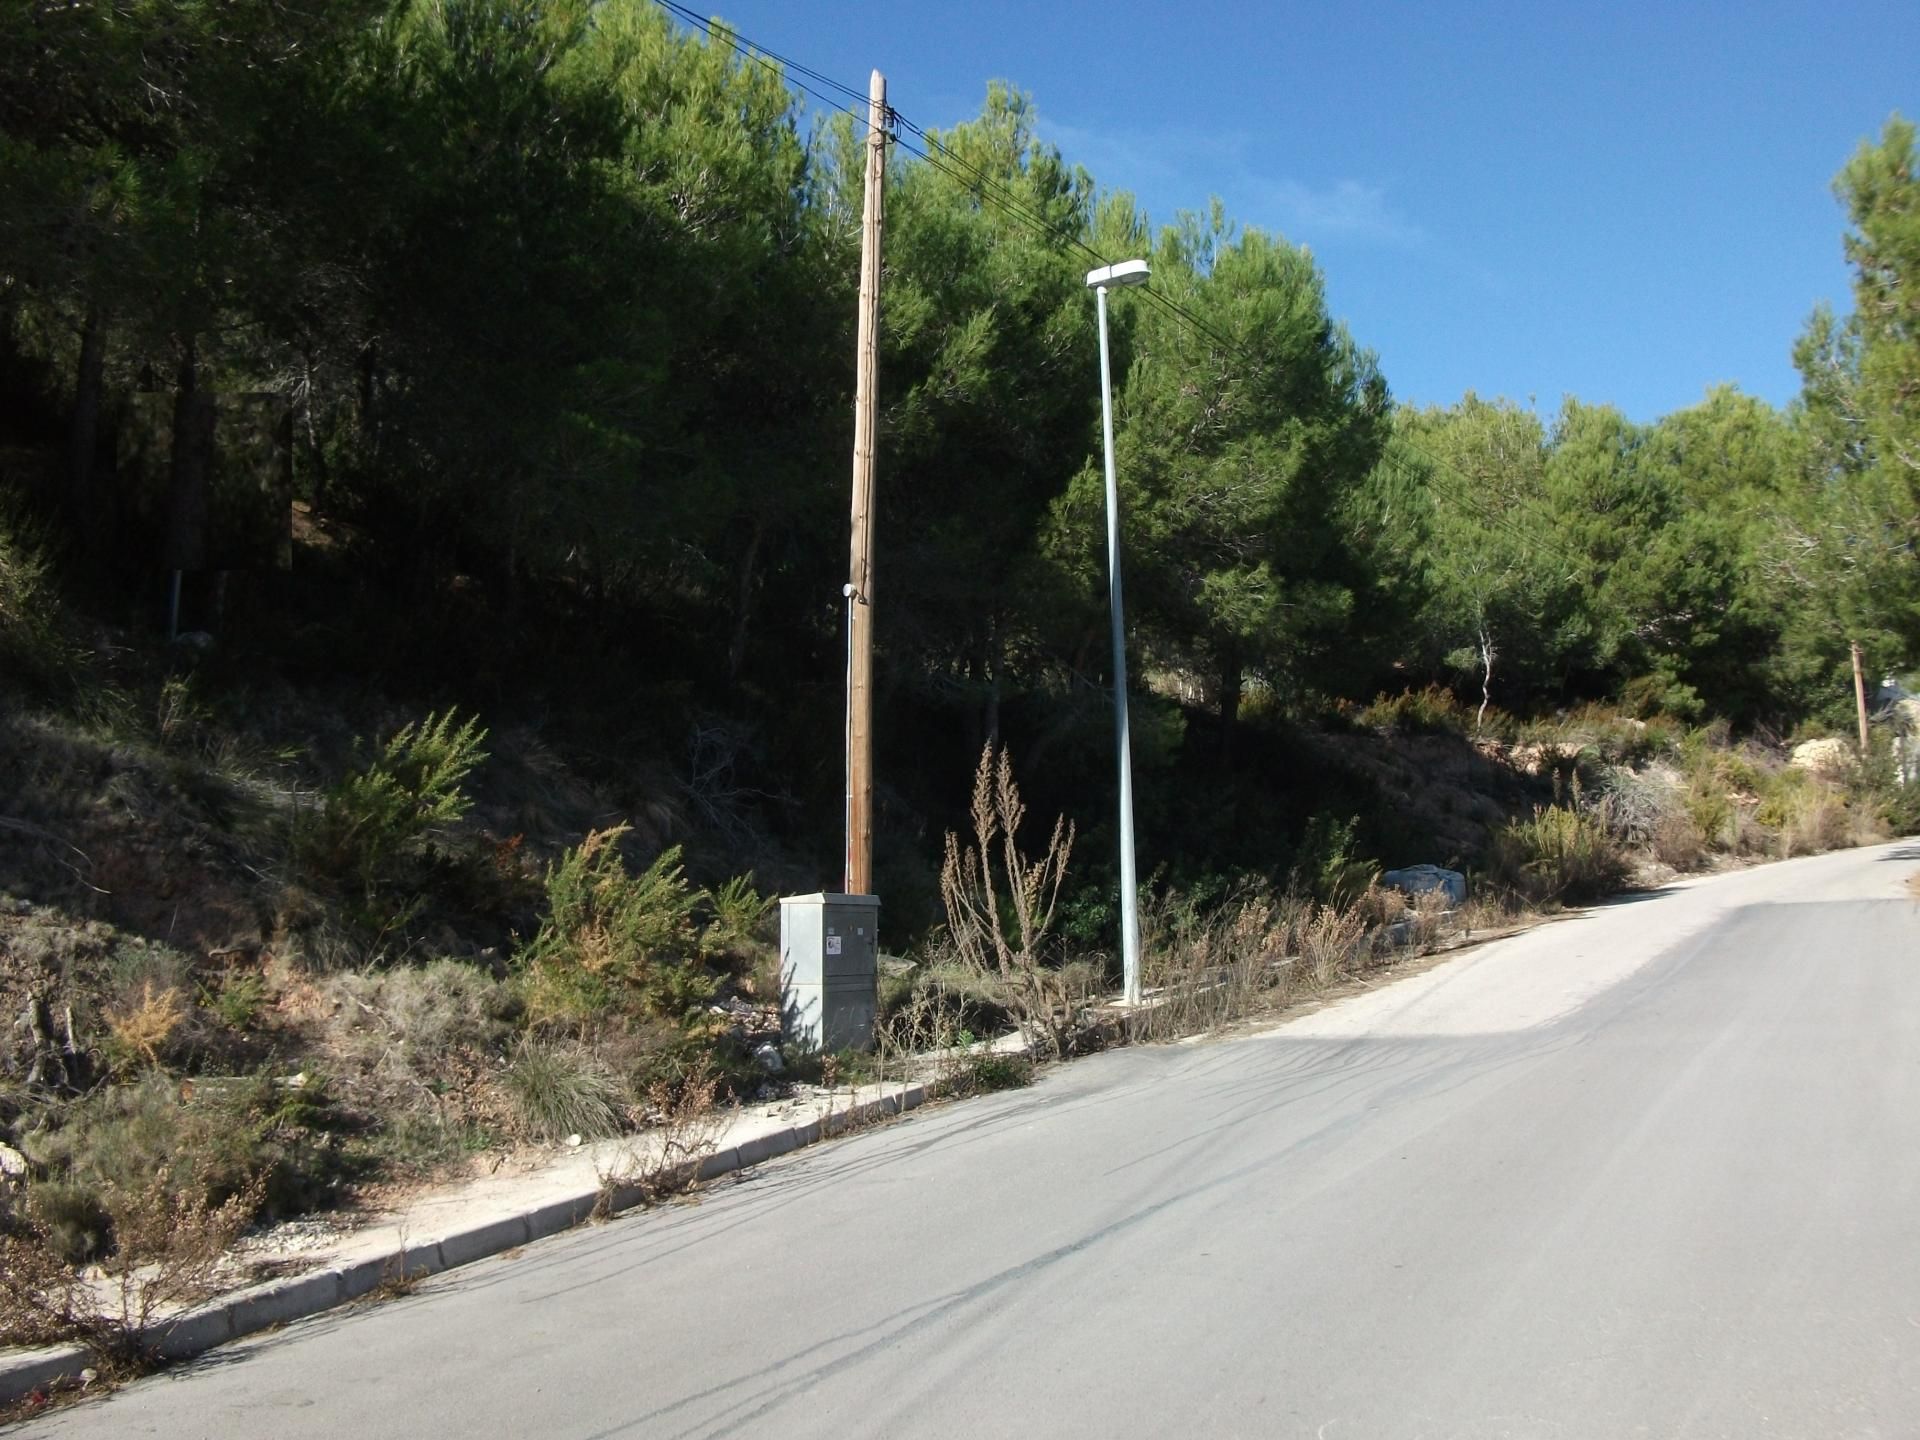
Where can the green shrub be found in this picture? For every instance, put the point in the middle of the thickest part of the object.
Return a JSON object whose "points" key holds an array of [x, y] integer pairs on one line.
{"points": [[216, 1136], [737, 928], [1327, 865], [1712, 811], [381, 819], [1432, 711], [1559, 855], [615, 942], [1783, 798], [986, 1072], [1646, 696], [35, 655], [237, 999], [1898, 806], [72, 1218]]}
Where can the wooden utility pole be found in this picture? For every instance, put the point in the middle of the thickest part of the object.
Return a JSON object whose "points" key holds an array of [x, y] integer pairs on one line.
{"points": [[859, 876], [1860, 697]]}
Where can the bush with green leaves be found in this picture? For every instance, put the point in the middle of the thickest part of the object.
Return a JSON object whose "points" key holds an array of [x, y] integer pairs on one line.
{"points": [[35, 654], [1560, 854], [269, 1137], [736, 931], [1328, 865], [374, 826], [615, 942], [1434, 710]]}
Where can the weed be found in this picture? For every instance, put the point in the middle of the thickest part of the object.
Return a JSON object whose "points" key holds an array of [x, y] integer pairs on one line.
{"points": [[1007, 933], [559, 1090], [237, 999], [985, 1072], [169, 1246], [140, 1029], [684, 1125], [1561, 854], [215, 1136], [1429, 911], [1329, 941], [1209, 966]]}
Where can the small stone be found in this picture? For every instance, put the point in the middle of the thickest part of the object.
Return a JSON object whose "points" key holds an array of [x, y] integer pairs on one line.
{"points": [[573, 1141], [13, 1165]]}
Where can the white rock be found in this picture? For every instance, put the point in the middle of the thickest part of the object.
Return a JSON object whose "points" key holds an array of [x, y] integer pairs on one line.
{"points": [[1418, 879], [1829, 757], [13, 1165]]}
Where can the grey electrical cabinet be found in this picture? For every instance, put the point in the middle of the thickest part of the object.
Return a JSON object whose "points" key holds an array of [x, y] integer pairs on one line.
{"points": [[829, 968]]}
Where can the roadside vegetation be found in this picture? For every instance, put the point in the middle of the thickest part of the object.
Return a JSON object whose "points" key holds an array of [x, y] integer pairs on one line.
{"points": [[420, 633]]}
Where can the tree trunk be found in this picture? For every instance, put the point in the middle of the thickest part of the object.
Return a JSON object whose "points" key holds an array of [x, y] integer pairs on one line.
{"points": [[1233, 681], [314, 452], [369, 392], [84, 512], [743, 602], [993, 666], [1487, 656], [189, 469]]}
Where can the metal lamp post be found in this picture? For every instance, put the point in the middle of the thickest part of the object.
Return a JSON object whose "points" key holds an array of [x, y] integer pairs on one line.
{"points": [[1108, 277]]}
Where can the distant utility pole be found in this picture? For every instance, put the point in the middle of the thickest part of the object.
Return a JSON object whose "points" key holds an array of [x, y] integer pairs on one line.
{"points": [[1860, 697], [859, 876]]}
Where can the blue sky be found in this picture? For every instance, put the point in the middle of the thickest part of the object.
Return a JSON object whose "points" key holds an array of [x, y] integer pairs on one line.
{"points": [[1628, 203]]}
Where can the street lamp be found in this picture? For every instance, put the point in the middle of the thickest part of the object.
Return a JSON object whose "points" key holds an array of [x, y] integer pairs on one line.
{"points": [[1108, 277]]}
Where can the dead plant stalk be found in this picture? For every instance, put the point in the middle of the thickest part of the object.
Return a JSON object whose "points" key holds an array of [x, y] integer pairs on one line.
{"points": [[977, 911]]}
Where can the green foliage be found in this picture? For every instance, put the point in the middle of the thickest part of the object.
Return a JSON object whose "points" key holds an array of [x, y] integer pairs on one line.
{"points": [[382, 819], [1327, 866], [736, 929], [616, 942], [1560, 855], [237, 999], [1241, 468], [986, 1072], [35, 655], [1432, 710], [215, 1136]]}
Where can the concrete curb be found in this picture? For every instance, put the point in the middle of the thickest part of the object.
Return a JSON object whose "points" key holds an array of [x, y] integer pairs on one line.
{"points": [[278, 1302]]}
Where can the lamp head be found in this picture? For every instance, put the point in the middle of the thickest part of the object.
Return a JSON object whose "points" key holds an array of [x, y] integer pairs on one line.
{"points": [[1112, 277]]}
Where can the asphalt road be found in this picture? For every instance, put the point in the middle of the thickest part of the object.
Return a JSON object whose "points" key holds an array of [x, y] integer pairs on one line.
{"points": [[1653, 1171]]}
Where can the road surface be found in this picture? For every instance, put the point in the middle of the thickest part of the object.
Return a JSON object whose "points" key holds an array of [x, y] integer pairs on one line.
{"points": [[1649, 1171]]}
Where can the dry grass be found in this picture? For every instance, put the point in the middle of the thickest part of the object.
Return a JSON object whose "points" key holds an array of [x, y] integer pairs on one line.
{"points": [[684, 1124], [169, 1245], [1000, 905], [143, 1027]]}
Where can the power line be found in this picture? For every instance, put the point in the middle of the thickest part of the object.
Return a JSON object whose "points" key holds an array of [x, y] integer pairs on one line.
{"points": [[940, 156], [772, 60]]}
